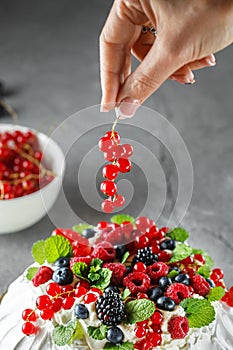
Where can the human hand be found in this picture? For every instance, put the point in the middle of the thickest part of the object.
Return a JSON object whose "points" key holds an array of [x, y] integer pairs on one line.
{"points": [[188, 32]]}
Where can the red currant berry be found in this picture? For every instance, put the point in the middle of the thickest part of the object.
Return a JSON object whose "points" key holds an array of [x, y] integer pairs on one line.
{"points": [[108, 187], [29, 315], [216, 274], [109, 156], [43, 302], [67, 291], [187, 261], [80, 291], [142, 223], [154, 338], [156, 328], [143, 324], [139, 267], [147, 345], [110, 171], [90, 298], [231, 292], [47, 314], [164, 256], [200, 258], [105, 144], [102, 224], [28, 328], [84, 284], [68, 303], [128, 150], [113, 135], [57, 304], [157, 318], [53, 289], [141, 242], [119, 200], [119, 151], [107, 206], [96, 290], [124, 165], [140, 332]]}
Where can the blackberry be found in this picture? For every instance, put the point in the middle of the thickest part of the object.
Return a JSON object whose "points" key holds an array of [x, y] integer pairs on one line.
{"points": [[110, 308], [146, 256]]}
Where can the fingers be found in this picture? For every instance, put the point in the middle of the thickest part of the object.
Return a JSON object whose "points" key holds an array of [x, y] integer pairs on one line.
{"points": [[119, 33], [156, 67]]}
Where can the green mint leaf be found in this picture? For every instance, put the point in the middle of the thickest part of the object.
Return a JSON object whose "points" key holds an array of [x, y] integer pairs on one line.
{"points": [[120, 218], [62, 334], [125, 257], [124, 346], [98, 333], [215, 294], [208, 260], [38, 252], [93, 276], [81, 227], [181, 251], [172, 274], [139, 310], [104, 279], [96, 263], [178, 234], [31, 272], [126, 293], [80, 269], [78, 333], [204, 271], [57, 247], [200, 312]]}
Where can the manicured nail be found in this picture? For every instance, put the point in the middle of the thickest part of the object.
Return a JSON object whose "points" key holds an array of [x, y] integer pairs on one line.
{"points": [[210, 62], [106, 107], [127, 108]]}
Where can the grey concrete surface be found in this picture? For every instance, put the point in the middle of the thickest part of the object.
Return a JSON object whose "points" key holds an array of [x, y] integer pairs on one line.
{"points": [[49, 62]]}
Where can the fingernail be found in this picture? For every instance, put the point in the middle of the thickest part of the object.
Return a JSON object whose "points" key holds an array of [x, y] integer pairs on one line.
{"points": [[127, 108], [191, 82], [106, 107], [210, 62], [103, 108]]}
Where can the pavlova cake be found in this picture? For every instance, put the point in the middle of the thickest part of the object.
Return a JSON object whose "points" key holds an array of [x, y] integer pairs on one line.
{"points": [[122, 285]]}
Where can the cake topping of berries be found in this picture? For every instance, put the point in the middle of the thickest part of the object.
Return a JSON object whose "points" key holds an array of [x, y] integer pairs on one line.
{"points": [[110, 308], [136, 276]]}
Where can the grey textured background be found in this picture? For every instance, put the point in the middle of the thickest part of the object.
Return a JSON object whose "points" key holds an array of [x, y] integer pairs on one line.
{"points": [[49, 61]]}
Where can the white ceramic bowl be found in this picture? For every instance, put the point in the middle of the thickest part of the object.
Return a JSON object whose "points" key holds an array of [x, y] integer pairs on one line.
{"points": [[20, 213]]}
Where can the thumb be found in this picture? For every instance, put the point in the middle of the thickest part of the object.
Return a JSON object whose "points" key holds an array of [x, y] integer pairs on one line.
{"points": [[156, 67]]}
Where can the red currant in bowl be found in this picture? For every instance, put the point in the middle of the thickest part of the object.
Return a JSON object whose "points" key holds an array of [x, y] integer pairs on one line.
{"points": [[31, 171]]}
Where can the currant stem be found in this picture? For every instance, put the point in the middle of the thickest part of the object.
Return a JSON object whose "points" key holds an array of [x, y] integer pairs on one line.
{"points": [[113, 129]]}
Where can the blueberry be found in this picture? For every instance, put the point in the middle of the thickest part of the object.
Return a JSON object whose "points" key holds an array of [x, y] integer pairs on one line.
{"points": [[211, 283], [63, 276], [169, 244], [120, 251], [164, 282], [113, 288], [155, 293], [182, 278], [63, 262], [88, 233], [115, 335], [165, 303], [81, 311]]}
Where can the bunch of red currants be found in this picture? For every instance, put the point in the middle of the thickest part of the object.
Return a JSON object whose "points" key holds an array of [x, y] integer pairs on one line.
{"points": [[118, 155], [21, 168]]}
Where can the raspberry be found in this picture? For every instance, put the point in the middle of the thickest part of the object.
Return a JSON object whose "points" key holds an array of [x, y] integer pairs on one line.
{"points": [[228, 299], [200, 285], [157, 270], [104, 251], [177, 292], [178, 327], [118, 273], [85, 259], [43, 275], [137, 282]]}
